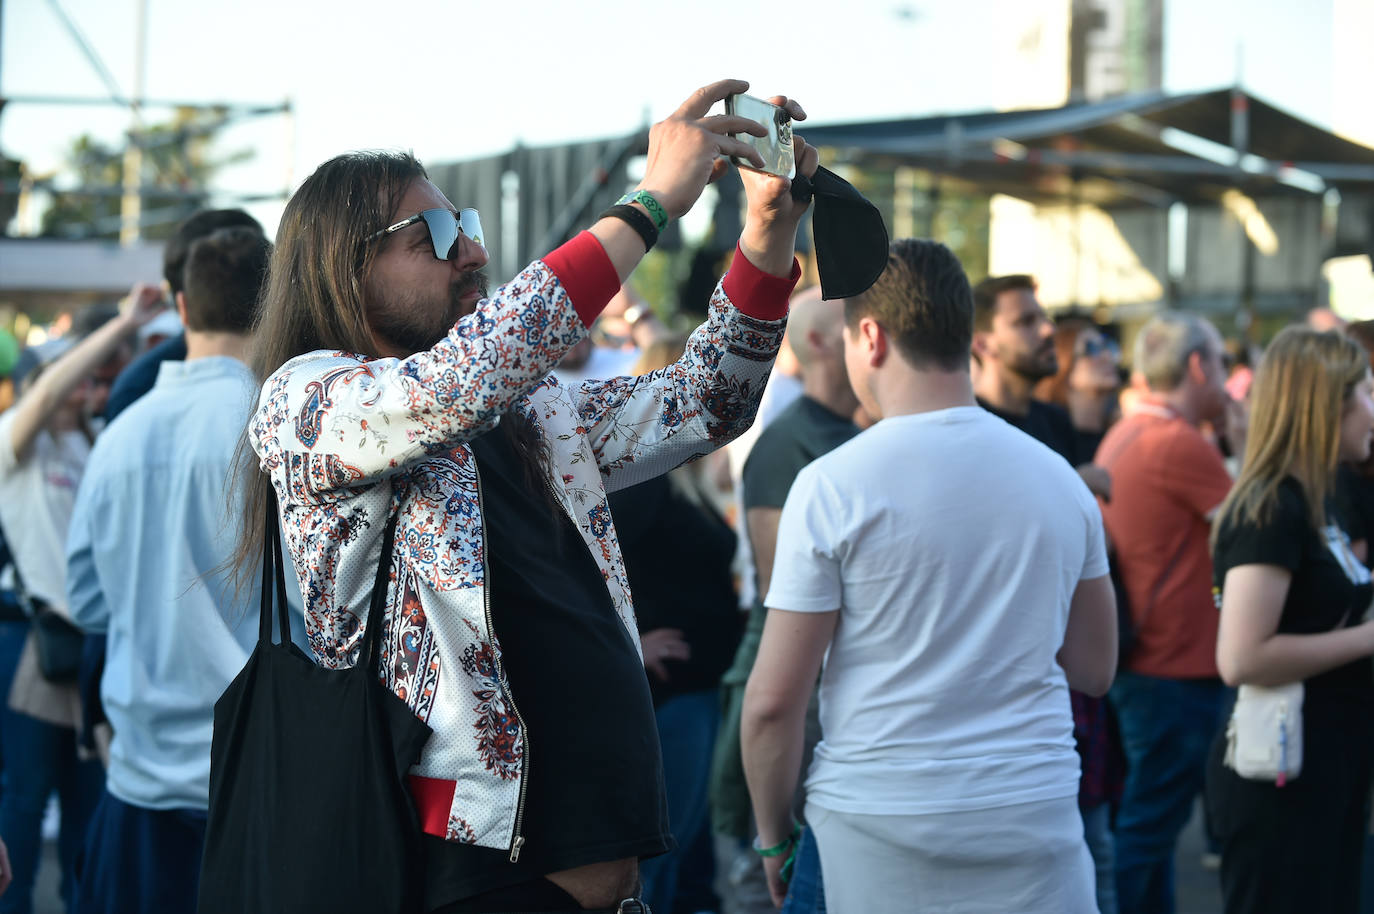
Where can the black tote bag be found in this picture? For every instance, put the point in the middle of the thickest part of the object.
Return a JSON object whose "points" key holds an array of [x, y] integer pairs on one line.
{"points": [[309, 808]]}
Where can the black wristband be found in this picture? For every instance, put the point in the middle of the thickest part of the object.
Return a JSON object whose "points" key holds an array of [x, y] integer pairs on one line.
{"points": [[637, 220]]}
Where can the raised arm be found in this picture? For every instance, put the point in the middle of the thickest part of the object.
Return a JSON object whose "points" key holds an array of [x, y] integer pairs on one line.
{"points": [[686, 152], [637, 425], [49, 391], [645, 426], [336, 422], [333, 420]]}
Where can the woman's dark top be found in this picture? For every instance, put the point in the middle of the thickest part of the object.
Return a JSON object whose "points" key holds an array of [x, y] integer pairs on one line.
{"points": [[594, 788], [1086, 445], [1296, 848], [1329, 589]]}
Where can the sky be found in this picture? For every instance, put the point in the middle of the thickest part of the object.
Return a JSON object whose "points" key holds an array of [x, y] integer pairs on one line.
{"points": [[456, 80]]}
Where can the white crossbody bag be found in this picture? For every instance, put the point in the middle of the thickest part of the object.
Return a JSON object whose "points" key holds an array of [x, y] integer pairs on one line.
{"points": [[1264, 735]]}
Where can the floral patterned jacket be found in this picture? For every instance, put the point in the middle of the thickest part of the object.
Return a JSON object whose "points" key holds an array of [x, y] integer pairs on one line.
{"points": [[346, 439]]}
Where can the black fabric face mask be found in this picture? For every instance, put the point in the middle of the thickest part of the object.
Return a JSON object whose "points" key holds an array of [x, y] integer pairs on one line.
{"points": [[851, 240]]}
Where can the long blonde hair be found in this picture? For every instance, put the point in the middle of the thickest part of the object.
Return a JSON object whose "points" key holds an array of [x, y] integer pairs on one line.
{"points": [[1300, 393]]}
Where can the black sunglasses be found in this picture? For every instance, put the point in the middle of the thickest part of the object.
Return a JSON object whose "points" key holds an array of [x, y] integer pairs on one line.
{"points": [[444, 228], [1091, 348]]}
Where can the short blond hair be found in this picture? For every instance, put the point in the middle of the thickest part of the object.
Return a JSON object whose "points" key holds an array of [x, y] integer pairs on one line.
{"points": [[1164, 344]]}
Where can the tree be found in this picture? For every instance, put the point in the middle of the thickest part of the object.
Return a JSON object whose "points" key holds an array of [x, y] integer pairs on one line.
{"points": [[177, 159], [11, 170]]}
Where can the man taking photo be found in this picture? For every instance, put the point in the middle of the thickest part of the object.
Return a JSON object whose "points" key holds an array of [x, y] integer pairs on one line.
{"points": [[395, 384]]}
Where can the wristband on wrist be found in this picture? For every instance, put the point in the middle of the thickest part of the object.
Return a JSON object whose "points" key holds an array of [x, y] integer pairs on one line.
{"points": [[790, 864], [641, 223], [646, 200], [780, 848]]}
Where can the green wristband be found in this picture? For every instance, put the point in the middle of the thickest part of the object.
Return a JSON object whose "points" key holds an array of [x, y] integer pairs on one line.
{"points": [[789, 865], [778, 849], [646, 200]]}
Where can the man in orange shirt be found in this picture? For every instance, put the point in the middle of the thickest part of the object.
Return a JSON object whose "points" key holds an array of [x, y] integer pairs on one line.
{"points": [[1168, 481]]}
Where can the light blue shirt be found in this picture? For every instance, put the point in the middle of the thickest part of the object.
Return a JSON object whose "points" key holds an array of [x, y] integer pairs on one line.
{"points": [[151, 530]]}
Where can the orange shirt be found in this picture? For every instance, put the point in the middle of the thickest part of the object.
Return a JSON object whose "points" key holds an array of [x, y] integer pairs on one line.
{"points": [[1166, 480]]}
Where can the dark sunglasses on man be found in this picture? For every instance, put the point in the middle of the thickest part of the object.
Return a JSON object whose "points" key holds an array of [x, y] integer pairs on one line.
{"points": [[1092, 347], [444, 228]]}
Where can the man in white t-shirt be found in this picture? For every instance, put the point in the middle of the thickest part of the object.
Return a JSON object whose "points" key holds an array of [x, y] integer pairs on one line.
{"points": [[951, 572]]}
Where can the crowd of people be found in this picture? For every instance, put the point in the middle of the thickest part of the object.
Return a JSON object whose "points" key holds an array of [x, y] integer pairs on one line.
{"points": [[912, 600]]}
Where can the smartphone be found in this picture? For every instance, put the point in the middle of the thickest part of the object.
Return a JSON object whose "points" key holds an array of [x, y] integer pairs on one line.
{"points": [[776, 147]]}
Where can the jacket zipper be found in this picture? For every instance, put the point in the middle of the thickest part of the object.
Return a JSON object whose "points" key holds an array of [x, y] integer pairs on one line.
{"points": [[517, 839]]}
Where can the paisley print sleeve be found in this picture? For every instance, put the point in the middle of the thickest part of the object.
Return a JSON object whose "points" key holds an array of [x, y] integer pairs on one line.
{"points": [[336, 422], [643, 427]]}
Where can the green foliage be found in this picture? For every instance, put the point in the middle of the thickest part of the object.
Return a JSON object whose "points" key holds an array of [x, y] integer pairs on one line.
{"points": [[656, 281], [11, 170], [177, 158], [922, 204]]}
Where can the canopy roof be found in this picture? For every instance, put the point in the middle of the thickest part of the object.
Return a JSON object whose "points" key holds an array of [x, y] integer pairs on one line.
{"points": [[1125, 150]]}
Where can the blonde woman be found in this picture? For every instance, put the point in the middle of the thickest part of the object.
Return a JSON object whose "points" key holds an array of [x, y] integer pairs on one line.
{"points": [[1293, 599]]}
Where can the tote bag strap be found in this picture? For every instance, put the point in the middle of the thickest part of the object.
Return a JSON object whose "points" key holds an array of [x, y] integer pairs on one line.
{"points": [[274, 579]]}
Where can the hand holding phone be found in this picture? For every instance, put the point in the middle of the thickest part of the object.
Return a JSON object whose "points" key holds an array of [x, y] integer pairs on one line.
{"points": [[776, 147]]}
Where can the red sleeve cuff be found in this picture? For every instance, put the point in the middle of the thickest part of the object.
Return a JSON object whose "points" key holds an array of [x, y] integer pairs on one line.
{"points": [[433, 801], [586, 273], [758, 294]]}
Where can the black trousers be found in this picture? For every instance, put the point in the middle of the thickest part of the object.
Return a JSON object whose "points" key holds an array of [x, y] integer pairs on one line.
{"points": [[1296, 848]]}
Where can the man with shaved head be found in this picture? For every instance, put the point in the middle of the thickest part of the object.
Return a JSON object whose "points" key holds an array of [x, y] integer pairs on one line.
{"points": [[817, 422]]}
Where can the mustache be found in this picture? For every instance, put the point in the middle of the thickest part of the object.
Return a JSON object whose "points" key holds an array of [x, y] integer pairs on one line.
{"points": [[476, 281]]}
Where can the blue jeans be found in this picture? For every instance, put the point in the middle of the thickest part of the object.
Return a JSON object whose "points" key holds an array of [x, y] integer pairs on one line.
{"points": [[39, 758], [1097, 832], [140, 861], [687, 736], [806, 891], [1167, 727]]}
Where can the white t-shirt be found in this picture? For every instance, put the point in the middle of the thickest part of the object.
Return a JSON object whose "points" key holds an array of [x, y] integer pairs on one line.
{"points": [[36, 499], [951, 543]]}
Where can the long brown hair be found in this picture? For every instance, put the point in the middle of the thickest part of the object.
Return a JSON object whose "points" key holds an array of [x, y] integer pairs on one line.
{"points": [[314, 296], [1300, 393]]}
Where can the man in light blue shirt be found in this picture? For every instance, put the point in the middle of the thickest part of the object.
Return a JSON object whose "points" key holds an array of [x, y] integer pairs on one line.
{"points": [[147, 555]]}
